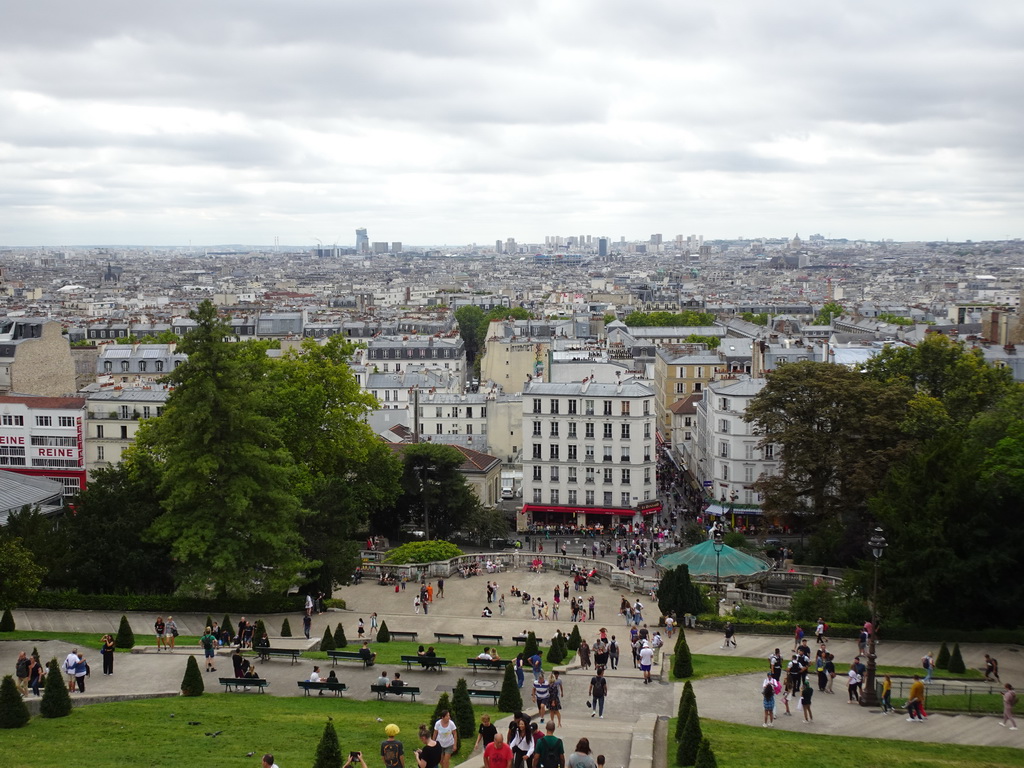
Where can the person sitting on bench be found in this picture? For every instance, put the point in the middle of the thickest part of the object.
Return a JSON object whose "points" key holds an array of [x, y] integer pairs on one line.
{"points": [[398, 682], [383, 679], [367, 655]]}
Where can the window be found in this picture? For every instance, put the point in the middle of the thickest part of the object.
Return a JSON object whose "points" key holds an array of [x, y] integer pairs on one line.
{"points": [[588, 430], [13, 421], [438, 412], [107, 366], [687, 421], [142, 366], [571, 474], [608, 453], [536, 451], [607, 407], [647, 430], [680, 387], [624, 454], [748, 474], [439, 429], [65, 421], [572, 453], [572, 430], [44, 421], [607, 498], [536, 496], [536, 405], [725, 471], [607, 431], [124, 366], [554, 474], [769, 452], [625, 476], [647, 475], [124, 433], [469, 412], [536, 429], [723, 404], [99, 453], [572, 497], [624, 499], [99, 431], [590, 453], [606, 475], [159, 364], [723, 449], [625, 408], [554, 429], [469, 429], [590, 498], [63, 442], [554, 405], [700, 371], [698, 387], [687, 436], [554, 495], [723, 426], [590, 475], [572, 408], [554, 452], [625, 432], [647, 453], [537, 472], [588, 407], [647, 407]]}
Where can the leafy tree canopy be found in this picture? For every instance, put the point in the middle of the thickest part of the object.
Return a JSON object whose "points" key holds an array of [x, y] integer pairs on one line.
{"points": [[435, 496], [831, 310], [757, 319], [669, 319], [20, 576], [423, 552], [889, 317]]}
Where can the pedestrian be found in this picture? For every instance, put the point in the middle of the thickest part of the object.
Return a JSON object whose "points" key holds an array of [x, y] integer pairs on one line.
{"points": [[540, 694], [768, 702], [730, 635], [68, 667], [501, 604], [392, 752], [373, 624], [991, 669], [171, 632], [591, 604], [430, 754], [416, 604], [522, 742], [160, 628], [915, 701], [928, 663], [584, 653], [886, 695], [656, 645], [830, 670], [360, 629], [670, 626], [549, 750], [819, 631], [597, 692], [268, 761], [440, 589], [805, 702], [81, 672], [309, 605], [582, 758], [536, 662], [646, 659], [107, 654], [498, 754], [307, 624], [447, 735], [555, 698], [486, 733], [1009, 701], [36, 675], [21, 671], [853, 685], [520, 676], [209, 642]]}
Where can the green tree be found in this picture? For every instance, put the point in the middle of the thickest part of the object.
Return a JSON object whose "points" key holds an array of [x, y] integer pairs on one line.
{"points": [[956, 661], [225, 624], [942, 660], [231, 515], [383, 634], [573, 643], [328, 751], [56, 697], [705, 756], [7, 621], [462, 714], [286, 628], [422, 552], [682, 660], [435, 493], [690, 742], [192, 682], [531, 647], [756, 319], [20, 576], [470, 319], [13, 712], [556, 653], [340, 641], [687, 701], [678, 595], [829, 312], [835, 430], [46, 537], [511, 698], [889, 317], [259, 629], [684, 319], [327, 644], [125, 637], [712, 342]]}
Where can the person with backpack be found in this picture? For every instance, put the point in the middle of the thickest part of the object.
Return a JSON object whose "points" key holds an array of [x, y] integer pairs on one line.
{"points": [[209, 642], [549, 752], [598, 691], [991, 669], [768, 703], [730, 635], [1009, 701]]}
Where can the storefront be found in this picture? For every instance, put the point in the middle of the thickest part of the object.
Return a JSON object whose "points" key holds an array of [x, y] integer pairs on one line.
{"points": [[582, 517]]}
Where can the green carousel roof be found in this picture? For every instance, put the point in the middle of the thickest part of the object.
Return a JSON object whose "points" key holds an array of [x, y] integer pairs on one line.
{"points": [[701, 560]]}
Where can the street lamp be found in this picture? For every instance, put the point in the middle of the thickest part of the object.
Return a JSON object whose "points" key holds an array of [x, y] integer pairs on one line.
{"points": [[877, 544], [718, 542], [424, 469]]}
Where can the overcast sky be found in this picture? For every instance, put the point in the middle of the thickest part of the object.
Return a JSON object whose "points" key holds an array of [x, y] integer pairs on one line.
{"points": [[451, 121]]}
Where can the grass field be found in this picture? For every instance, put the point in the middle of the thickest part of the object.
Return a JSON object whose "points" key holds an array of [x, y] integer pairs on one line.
{"points": [[144, 733], [744, 746], [718, 666], [90, 640], [456, 654]]}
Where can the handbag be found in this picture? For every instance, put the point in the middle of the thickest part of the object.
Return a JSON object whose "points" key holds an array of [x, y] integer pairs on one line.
{"points": [[174, 631]]}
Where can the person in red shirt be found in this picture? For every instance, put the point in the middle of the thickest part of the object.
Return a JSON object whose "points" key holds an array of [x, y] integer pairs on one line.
{"points": [[498, 754]]}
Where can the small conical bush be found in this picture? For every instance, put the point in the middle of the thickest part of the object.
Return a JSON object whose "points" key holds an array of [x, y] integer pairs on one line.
{"points": [[192, 683], [125, 637], [327, 644], [511, 698], [13, 712], [328, 751], [956, 661], [56, 697], [942, 660]]}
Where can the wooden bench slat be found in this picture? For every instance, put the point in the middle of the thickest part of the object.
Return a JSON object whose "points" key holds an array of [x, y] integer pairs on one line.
{"points": [[322, 685], [497, 639], [454, 635], [382, 690], [243, 682]]}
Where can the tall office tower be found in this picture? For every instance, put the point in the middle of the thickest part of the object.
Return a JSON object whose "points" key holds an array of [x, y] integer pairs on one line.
{"points": [[510, 246], [588, 241], [362, 241], [396, 246], [655, 239], [380, 247], [602, 246], [680, 241], [497, 247]]}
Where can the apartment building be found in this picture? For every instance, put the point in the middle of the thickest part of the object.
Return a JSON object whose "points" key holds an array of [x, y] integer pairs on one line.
{"points": [[44, 437], [113, 417], [680, 370], [35, 358], [588, 455]]}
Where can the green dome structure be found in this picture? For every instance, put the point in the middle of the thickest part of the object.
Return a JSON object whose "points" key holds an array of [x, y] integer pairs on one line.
{"points": [[702, 559]]}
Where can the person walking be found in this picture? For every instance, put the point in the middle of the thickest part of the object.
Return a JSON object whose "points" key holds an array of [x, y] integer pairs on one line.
{"points": [[886, 695], [915, 701], [209, 643], [160, 629], [549, 750], [520, 675], [21, 671], [522, 742], [36, 675], [646, 659], [1009, 701], [598, 692], [730, 635], [928, 662], [853, 684], [991, 669], [555, 698], [805, 702], [107, 654], [582, 758], [392, 753], [498, 754], [81, 672], [307, 624], [540, 694], [68, 666], [447, 736]]}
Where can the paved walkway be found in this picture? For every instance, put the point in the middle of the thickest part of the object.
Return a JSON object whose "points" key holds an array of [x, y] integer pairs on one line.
{"points": [[625, 736]]}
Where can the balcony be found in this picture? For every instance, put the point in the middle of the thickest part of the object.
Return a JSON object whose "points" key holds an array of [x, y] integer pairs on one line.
{"points": [[133, 416]]}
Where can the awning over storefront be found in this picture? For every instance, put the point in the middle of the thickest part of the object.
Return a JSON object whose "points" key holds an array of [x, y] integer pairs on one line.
{"points": [[652, 509]]}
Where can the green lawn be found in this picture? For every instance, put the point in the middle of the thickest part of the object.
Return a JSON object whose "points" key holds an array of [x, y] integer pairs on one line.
{"points": [[973, 702], [144, 733], [456, 654], [85, 639], [745, 746], [719, 666]]}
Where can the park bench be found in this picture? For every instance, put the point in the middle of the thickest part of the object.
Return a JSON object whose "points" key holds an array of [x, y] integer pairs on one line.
{"points": [[383, 690], [265, 654], [493, 639], [337, 656], [398, 635], [521, 640], [322, 685], [243, 682], [498, 664], [476, 693], [427, 662], [451, 635]]}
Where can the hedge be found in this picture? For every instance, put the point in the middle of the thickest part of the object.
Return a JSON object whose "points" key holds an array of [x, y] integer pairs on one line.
{"points": [[76, 601], [886, 632]]}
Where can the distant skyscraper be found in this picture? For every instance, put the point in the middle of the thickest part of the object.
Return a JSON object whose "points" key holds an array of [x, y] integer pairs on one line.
{"points": [[380, 247], [655, 239], [510, 246], [362, 241], [396, 246], [497, 247], [602, 246]]}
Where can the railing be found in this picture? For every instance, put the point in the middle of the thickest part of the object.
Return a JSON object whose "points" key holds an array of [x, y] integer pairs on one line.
{"points": [[803, 577], [952, 696]]}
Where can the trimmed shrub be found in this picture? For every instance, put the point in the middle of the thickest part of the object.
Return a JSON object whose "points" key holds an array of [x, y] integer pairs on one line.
{"points": [[209, 623], [7, 622], [383, 635], [690, 743], [258, 630], [573, 643], [286, 628], [956, 661], [444, 703], [226, 624], [327, 644], [328, 751], [340, 641], [556, 653], [511, 699], [462, 712], [942, 660], [687, 702], [682, 659], [531, 647], [705, 757], [56, 697], [13, 712], [192, 683], [125, 637]]}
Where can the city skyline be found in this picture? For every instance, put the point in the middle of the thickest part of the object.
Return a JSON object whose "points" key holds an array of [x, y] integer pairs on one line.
{"points": [[445, 123]]}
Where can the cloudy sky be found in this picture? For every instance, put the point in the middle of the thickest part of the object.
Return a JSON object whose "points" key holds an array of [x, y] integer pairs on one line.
{"points": [[451, 121]]}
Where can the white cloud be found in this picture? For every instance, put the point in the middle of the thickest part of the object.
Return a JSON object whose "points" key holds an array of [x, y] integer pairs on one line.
{"points": [[447, 121]]}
